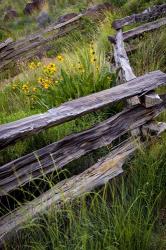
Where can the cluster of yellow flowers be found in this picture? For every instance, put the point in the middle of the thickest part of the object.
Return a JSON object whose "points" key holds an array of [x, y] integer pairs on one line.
{"points": [[81, 67], [45, 82], [92, 54], [50, 69], [27, 89], [34, 65]]}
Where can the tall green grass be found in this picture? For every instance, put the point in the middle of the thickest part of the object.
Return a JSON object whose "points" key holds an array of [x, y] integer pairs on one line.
{"points": [[125, 214]]}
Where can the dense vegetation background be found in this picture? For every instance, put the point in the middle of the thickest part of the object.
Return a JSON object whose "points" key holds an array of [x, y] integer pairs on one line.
{"points": [[129, 213]]}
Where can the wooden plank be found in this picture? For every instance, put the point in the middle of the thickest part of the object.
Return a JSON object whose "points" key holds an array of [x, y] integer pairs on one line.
{"points": [[122, 62], [56, 155], [67, 190], [149, 14], [13, 131], [136, 32], [121, 59]]}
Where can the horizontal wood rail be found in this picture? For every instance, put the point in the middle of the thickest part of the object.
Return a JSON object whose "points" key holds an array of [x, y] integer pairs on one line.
{"points": [[140, 30], [147, 15], [29, 46], [20, 129], [58, 154], [136, 32], [106, 169], [97, 175]]}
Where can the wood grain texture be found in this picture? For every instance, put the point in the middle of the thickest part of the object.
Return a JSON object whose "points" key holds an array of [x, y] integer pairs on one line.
{"points": [[56, 155], [20, 129], [136, 32], [122, 62], [149, 14], [67, 190], [121, 59]]}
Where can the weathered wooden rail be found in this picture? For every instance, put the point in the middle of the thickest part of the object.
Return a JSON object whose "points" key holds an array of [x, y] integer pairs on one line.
{"points": [[30, 46], [136, 121], [22, 128]]}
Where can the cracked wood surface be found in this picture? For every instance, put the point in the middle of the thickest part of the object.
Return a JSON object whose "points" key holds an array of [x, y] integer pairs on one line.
{"points": [[147, 15], [20, 129], [56, 155]]}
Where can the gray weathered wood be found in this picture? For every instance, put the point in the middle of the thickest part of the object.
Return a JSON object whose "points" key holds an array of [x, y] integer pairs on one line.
{"points": [[147, 15], [121, 58], [58, 154], [5, 43], [20, 129], [151, 99], [106, 169], [67, 190], [153, 128], [122, 63], [31, 45], [136, 32]]}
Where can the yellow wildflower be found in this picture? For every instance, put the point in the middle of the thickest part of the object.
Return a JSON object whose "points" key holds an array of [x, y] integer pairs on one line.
{"points": [[25, 88], [34, 89], [45, 85], [93, 59], [40, 80], [32, 65], [14, 86], [92, 52], [38, 64], [60, 58]]}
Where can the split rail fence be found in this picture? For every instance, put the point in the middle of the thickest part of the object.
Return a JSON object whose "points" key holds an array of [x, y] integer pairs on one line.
{"points": [[136, 121]]}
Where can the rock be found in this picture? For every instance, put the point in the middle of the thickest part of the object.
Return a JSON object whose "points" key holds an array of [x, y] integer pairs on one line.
{"points": [[10, 14], [97, 10], [38, 4], [29, 9], [35, 5], [43, 19]]}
